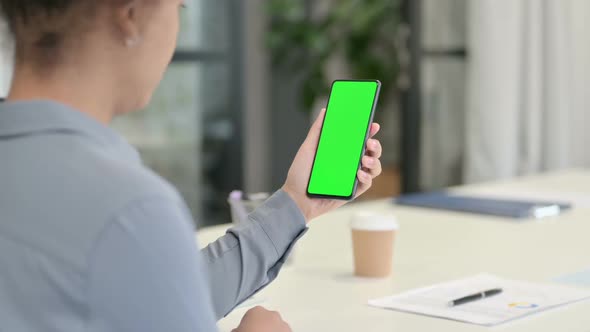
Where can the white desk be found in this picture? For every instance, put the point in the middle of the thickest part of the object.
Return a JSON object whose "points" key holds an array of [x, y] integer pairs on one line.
{"points": [[318, 292]]}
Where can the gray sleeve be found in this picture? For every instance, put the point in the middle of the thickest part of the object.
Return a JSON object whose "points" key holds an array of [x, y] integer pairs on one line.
{"points": [[146, 273], [250, 255]]}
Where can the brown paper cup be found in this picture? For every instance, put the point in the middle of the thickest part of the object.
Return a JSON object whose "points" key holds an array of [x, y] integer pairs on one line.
{"points": [[373, 238]]}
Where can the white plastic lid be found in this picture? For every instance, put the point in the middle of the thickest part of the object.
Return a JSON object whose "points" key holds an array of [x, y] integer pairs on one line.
{"points": [[371, 221]]}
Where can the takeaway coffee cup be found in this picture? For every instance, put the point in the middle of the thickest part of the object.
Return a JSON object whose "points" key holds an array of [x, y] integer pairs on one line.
{"points": [[373, 237]]}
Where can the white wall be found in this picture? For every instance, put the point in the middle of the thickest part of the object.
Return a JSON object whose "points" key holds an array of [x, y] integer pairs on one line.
{"points": [[6, 51]]}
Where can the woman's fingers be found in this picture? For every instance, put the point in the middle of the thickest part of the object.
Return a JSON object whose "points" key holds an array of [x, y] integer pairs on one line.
{"points": [[374, 148], [375, 127], [372, 166], [365, 178], [370, 163], [314, 133]]}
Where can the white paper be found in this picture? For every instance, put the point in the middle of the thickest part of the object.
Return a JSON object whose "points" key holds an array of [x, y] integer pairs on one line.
{"points": [[518, 299], [581, 278]]}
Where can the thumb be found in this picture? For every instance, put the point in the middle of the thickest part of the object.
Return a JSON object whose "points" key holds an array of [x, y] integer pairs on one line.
{"points": [[314, 133]]}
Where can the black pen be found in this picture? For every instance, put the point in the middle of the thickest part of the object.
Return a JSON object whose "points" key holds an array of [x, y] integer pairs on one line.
{"points": [[475, 297]]}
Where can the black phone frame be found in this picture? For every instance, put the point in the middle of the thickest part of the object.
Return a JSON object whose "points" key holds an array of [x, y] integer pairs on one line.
{"points": [[368, 132]]}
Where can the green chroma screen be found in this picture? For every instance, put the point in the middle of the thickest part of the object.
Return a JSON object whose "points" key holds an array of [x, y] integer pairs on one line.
{"points": [[343, 138]]}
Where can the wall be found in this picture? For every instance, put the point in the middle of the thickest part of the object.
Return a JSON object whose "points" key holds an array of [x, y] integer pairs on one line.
{"points": [[289, 125], [443, 94], [256, 145], [6, 51]]}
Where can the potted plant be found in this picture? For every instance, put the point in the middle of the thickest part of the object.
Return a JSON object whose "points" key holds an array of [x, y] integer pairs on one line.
{"points": [[362, 37], [362, 34]]}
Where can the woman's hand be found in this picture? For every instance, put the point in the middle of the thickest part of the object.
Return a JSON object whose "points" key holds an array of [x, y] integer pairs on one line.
{"points": [[259, 319], [297, 180]]}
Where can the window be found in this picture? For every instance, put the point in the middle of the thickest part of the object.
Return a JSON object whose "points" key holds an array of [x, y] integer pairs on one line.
{"points": [[190, 134]]}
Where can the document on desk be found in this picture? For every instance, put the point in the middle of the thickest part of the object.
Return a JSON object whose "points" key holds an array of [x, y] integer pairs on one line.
{"points": [[581, 278], [518, 299]]}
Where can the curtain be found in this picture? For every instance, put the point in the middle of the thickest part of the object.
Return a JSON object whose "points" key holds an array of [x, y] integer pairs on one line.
{"points": [[529, 87]]}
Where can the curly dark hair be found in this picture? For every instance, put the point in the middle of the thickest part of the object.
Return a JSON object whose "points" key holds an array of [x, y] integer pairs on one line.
{"points": [[40, 27], [17, 11]]}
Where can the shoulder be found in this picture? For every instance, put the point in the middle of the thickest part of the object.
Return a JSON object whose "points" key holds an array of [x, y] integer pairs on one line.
{"points": [[76, 193], [110, 181], [116, 186]]}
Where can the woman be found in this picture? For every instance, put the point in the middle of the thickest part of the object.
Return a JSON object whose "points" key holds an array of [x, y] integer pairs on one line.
{"points": [[89, 238]]}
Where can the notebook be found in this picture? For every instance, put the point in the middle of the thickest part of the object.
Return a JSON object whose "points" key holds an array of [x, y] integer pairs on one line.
{"points": [[517, 209]]}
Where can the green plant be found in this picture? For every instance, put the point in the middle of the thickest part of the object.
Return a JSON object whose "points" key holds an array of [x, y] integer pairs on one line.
{"points": [[363, 32]]}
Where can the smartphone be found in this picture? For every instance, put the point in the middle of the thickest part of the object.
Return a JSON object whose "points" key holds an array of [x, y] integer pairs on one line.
{"points": [[343, 139]]}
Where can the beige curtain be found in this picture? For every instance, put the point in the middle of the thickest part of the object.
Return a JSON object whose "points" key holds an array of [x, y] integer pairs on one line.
{"points": [[529, 87]]}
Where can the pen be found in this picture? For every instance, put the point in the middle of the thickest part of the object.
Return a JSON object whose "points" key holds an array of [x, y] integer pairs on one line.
{"points": [[475, 297]]}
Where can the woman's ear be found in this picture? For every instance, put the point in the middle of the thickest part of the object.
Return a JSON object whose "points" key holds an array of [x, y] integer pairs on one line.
{"points": [[127, 20]]}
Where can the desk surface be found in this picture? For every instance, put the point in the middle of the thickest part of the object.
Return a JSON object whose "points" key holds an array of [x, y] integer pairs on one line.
{"points": [[317, 292]]}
